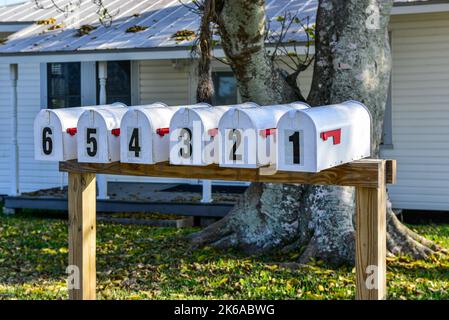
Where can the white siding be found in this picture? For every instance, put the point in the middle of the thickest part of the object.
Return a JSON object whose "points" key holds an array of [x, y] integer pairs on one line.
{"points": [[420, 112], [5, 129], [34, 174], [161, 81]]}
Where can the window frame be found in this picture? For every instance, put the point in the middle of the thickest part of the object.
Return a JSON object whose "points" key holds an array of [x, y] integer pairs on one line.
{"points": [[132, 82], [227, 72], [45, 85]]}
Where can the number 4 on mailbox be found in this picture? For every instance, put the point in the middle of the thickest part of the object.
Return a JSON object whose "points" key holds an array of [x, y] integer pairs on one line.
{"points": [[134, 142]]}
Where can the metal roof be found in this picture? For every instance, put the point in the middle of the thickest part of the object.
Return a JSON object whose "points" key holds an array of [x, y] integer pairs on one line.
{"points": [[162, 17]]}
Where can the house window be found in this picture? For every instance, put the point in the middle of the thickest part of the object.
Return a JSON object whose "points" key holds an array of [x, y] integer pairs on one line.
{"points": [[225, 88], [63, 85], [118, 83]]}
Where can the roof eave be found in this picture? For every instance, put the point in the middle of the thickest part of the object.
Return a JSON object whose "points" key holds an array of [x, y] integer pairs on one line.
{"points": [[420, 8], [123, 54]]}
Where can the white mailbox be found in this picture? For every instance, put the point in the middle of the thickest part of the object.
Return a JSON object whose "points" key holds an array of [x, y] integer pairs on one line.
{"points": [[248, 135], [193, 134], [55, 132], [99, 135], [323, 137], [145, 135]]}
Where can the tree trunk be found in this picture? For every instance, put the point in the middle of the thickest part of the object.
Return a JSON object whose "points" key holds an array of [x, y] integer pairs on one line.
{"points": [[352, 62]]}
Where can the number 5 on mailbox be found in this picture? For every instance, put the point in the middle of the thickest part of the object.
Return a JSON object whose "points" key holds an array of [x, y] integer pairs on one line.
{"points": [[91, 142]]}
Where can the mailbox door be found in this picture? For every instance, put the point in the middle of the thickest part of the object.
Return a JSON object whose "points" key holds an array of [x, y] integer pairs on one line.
{"points": [[96, 141], [92, 141], [48, 137], [296, 145], [186, 132], [238, 140], [135, 138]]}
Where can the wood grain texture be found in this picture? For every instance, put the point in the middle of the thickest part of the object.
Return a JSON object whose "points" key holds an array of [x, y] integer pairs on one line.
{"points": [[363, 173], [369, 176], [82, 233], [371, 245], [391, 171]]}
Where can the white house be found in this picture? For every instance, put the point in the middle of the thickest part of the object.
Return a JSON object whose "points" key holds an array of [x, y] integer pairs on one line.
{"points": [[47, 63]]}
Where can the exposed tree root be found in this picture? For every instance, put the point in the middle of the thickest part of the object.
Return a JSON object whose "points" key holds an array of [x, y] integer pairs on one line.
{"points": [[316, 227]]}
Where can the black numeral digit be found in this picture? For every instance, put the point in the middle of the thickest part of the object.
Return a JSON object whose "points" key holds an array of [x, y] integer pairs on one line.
{"points": [[134, 144], [235, 136], [91, 140], [186, 137], [294, 138], [47, 142]]}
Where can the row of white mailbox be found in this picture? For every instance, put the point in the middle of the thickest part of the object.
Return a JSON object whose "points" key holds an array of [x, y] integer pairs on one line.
{"points": [[293, 136]]}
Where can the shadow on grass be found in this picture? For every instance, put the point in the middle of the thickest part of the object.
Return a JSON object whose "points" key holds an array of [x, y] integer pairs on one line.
{"points": [[157, 263]]}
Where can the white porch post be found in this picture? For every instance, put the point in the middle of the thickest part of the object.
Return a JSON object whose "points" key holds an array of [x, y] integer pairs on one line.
{"points": [[13, 72], [207, 191], [102, 180]]}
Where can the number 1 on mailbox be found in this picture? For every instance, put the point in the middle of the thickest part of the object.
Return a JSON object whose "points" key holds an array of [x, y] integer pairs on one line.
{"points": [[318, 138]]}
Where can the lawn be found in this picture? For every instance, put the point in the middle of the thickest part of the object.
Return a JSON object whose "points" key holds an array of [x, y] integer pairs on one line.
{"points": [[140, 262]]}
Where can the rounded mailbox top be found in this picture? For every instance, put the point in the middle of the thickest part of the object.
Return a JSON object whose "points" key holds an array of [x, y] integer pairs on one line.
{"points": [[155, 117], [259, 117], [149, 106], [348, 113], [109, 117]]}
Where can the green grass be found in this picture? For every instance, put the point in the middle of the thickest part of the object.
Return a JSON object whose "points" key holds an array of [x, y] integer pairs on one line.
{"points": [[140, 262]]}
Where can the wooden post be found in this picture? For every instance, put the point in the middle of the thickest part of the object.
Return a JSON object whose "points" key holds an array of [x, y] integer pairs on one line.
{"points": [[369, 176], [371, 246], [82, 236]]}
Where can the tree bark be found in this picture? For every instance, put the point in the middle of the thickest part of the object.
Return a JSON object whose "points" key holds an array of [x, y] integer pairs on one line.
{"points": [[205, 88], [352, 62]]}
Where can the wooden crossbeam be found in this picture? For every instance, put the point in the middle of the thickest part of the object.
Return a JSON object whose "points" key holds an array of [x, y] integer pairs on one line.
{"points": [[362, 173]]}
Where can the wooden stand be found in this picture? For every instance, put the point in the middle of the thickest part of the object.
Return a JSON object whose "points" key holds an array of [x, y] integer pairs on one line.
{"points": [[369, 176]]}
